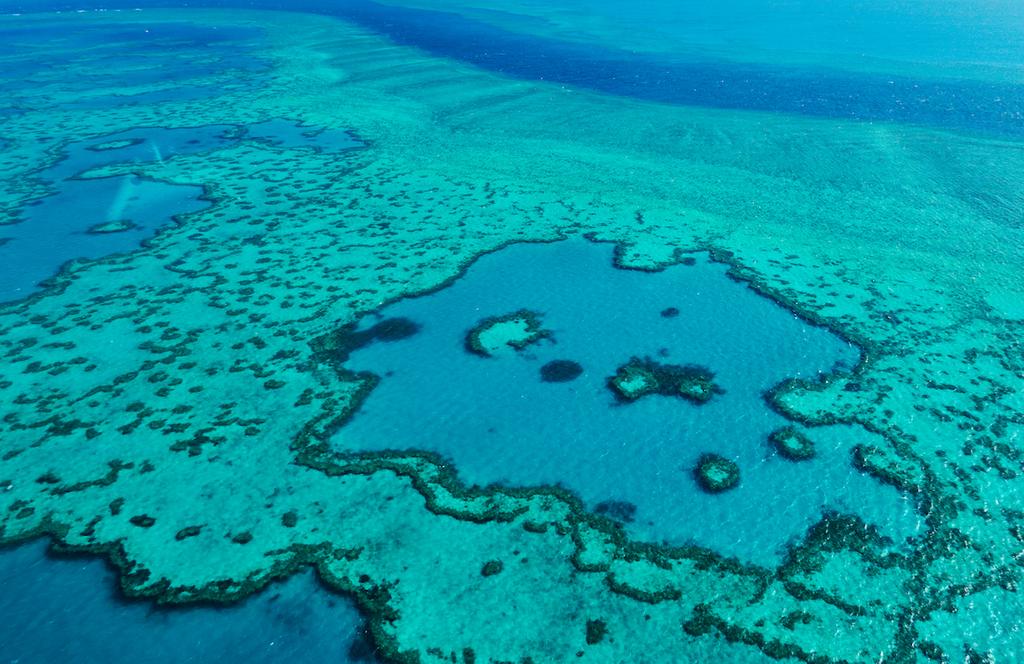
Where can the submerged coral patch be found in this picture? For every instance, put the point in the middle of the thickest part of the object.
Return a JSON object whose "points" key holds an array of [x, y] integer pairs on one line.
{"points": [[619, 510], [116, 226], [336, 346], [115, 144], [287, 134], [560, 371]]}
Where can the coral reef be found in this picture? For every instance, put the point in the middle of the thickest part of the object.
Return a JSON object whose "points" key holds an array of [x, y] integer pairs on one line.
{"points": [[516, 330], [117, 226], [117, 144], [641, 377], [596, 631], [716, 474], [208, 358], [339, 344], [618, 510], [792, 444]]}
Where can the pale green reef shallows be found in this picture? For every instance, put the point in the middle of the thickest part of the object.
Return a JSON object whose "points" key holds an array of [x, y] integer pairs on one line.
{"points": [[220, 478]]}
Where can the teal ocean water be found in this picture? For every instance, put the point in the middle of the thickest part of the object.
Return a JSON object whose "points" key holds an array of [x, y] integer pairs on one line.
{"points": [[322, 323]]}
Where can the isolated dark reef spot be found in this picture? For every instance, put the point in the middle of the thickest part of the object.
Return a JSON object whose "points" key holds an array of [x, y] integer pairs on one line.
{"points": [[671, 312], [560, 371]]}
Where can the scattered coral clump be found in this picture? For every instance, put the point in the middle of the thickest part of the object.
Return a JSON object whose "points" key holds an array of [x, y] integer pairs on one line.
{"points": [[716, 474], [792, 444], [516, 330], [641, 377]]}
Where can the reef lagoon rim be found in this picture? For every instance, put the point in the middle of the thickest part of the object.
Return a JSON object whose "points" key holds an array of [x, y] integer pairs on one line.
{"points": [[499, 422], [187, 367]]}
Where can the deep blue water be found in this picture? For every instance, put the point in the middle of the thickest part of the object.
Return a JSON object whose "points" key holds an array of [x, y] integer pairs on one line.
{"points": [[498, 422], [953, 103], [168, 55], [819, 92], [68, 609]]}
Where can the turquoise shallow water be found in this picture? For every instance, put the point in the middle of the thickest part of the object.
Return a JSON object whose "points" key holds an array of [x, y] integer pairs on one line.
{"points": [[499, 423]]}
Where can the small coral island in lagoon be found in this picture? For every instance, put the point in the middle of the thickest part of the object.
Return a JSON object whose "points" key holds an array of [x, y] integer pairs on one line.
{"points": [[641, 377], [716, 474], [116, 226], [792, 444], [516, 330]]}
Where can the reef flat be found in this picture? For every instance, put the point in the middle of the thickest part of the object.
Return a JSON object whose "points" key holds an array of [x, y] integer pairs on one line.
{"points": [[166, 407]]}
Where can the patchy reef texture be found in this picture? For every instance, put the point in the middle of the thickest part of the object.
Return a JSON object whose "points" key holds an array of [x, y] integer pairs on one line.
{"points": [[716, 474], [516, 330], [169, 407], [641, 377], [792, 444]]}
